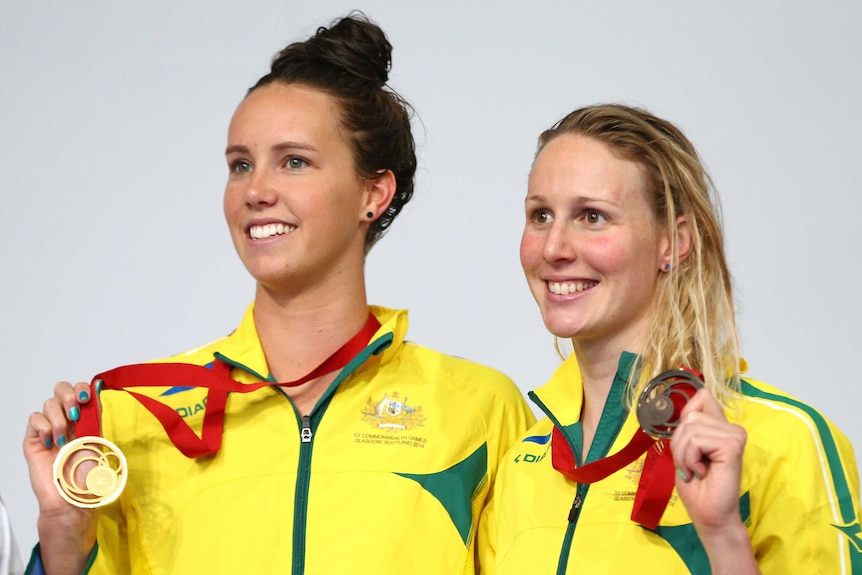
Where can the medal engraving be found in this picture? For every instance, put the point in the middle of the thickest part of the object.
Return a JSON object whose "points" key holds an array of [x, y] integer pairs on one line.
{"points": [[101, 480], [663, 399], [90, 472]]}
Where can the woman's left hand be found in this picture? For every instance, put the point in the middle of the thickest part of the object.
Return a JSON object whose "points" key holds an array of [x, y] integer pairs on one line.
{"points": [[707, 451]]}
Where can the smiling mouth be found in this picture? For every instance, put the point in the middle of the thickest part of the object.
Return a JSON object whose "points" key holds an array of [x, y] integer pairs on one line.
{"points": [[566, 288], [269, 230]]}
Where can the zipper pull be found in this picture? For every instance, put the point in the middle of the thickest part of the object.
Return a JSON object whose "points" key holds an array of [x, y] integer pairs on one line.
{"points": [[305, 434], [576, 509]]}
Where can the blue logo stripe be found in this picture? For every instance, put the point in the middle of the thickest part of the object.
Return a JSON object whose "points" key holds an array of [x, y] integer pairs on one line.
{"points": [[177, 389], [540, 439]]}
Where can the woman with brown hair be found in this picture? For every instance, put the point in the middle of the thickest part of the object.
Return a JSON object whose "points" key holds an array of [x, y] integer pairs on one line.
{"points": [[335, 445]]}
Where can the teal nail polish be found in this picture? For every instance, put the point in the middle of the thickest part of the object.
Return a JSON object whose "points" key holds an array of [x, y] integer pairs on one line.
{"points": [[98, 386], [74, 414], [48, 443], [682, 474], [61, 441], [83, 396]]}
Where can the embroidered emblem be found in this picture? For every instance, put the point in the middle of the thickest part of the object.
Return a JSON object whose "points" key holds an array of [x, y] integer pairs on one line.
{"points": [[392, 413], [633, 471]]}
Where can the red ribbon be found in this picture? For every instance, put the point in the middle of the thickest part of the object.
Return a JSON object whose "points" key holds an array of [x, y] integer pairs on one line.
{"points": [[217, 380], [657, 477]]}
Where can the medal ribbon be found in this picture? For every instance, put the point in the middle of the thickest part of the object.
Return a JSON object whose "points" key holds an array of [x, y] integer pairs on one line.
{"points": [[217, 380], [657, 477]]}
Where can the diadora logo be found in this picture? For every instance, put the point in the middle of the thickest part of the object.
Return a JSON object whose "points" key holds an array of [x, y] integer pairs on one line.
{"points": [[187, 410], [392, 413], [532, 457], [852, 532]]}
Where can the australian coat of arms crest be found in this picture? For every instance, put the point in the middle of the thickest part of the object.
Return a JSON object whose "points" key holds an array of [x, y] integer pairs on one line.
{"points": [[392, 413]]}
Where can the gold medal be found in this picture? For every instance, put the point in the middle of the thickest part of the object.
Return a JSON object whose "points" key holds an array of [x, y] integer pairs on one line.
{"points": [[102, 483]]}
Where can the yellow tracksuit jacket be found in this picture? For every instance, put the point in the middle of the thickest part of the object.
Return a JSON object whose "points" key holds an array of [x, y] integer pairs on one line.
{"points": [[799, 495], [397, 463]]}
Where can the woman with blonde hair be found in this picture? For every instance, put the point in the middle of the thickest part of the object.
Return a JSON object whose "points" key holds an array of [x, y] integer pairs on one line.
{"points": [[656, 455]]}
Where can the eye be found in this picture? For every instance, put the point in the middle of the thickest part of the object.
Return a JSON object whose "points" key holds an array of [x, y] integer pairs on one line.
{"points": [[240, 166], [295, 163], [593, 217], [540, 216]]}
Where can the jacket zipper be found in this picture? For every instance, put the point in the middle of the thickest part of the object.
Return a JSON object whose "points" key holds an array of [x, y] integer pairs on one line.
{"points": [[574, 514], [307, 427], [300, 507], [577, 503]]}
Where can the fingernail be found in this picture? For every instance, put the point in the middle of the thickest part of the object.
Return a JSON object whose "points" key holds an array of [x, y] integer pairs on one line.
{"points": [[61, 441], [83, 395], [682, 474], [48, 443], [98, 386], [74, 414], [698, 475]]}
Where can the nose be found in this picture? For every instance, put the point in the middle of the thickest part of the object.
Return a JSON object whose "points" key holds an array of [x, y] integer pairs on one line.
{"points": [[260, 191], [559, 243]]}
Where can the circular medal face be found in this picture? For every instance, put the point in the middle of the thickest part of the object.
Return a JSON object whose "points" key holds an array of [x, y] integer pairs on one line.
{"points": [[90, 472], [662, 401]]}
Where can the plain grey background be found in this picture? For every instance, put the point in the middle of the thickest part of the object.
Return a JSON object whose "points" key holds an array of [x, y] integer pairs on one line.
{"points": [[113, 120]]}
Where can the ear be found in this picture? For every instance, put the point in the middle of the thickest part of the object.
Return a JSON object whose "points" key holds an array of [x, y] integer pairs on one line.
{"points": [[683, 238], [684, 245], [379, 191]]}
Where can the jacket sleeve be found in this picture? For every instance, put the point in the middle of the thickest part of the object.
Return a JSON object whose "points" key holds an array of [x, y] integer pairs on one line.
{"points": [[486, 543], [805, 506], [512, 420]]}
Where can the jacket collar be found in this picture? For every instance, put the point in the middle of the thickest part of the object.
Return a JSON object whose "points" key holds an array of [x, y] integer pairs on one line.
{"points": [[242, 348], [563, 396]]}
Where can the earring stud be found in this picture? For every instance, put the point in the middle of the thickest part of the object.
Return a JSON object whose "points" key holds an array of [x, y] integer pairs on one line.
{"points": [[369, 215], [667, 267]]}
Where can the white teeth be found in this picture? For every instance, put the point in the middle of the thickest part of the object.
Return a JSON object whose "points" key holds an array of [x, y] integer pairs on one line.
{"points": [[269, 230], [565, 288]]}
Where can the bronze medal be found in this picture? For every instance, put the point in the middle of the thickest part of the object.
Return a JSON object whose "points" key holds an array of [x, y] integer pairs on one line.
{"points": [[662, 400]]}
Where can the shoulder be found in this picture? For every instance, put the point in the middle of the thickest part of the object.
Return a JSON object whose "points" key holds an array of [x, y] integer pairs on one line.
{"points": [[462, 375], [533, 444], [770, 411], [787, 437]]}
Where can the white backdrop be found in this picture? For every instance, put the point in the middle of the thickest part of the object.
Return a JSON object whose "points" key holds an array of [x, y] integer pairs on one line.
{"points": [[113, 119]]}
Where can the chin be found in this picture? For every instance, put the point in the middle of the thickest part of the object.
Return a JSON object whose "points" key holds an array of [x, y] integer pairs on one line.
{"points": [[562, 326], [562, 331]]}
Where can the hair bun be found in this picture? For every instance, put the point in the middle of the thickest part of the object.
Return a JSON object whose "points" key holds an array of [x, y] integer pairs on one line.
{"points": [[352, 44]]}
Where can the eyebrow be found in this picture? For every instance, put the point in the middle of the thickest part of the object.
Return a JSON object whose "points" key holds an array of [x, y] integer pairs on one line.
{"points": [[576, 200], [280, 147]]}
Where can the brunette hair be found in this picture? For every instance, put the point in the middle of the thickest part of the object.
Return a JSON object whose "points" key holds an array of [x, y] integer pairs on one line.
{"points": [[350, 60], [694, 323]]}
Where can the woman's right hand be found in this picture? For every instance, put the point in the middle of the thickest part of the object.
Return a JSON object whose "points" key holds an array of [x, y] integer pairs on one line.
{"points": [[67, 533]]}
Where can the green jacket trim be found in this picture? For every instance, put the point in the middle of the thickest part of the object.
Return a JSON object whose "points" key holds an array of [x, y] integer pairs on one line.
{"points": [[455, 487], [686, 543], [851, 527]]}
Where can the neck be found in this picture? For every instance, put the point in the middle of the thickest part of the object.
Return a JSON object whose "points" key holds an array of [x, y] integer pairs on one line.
{"points": [[598, 363], [299, 332]]}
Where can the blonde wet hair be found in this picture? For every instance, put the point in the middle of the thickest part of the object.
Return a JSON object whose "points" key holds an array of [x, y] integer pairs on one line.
{"points": [[694, 324]]}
